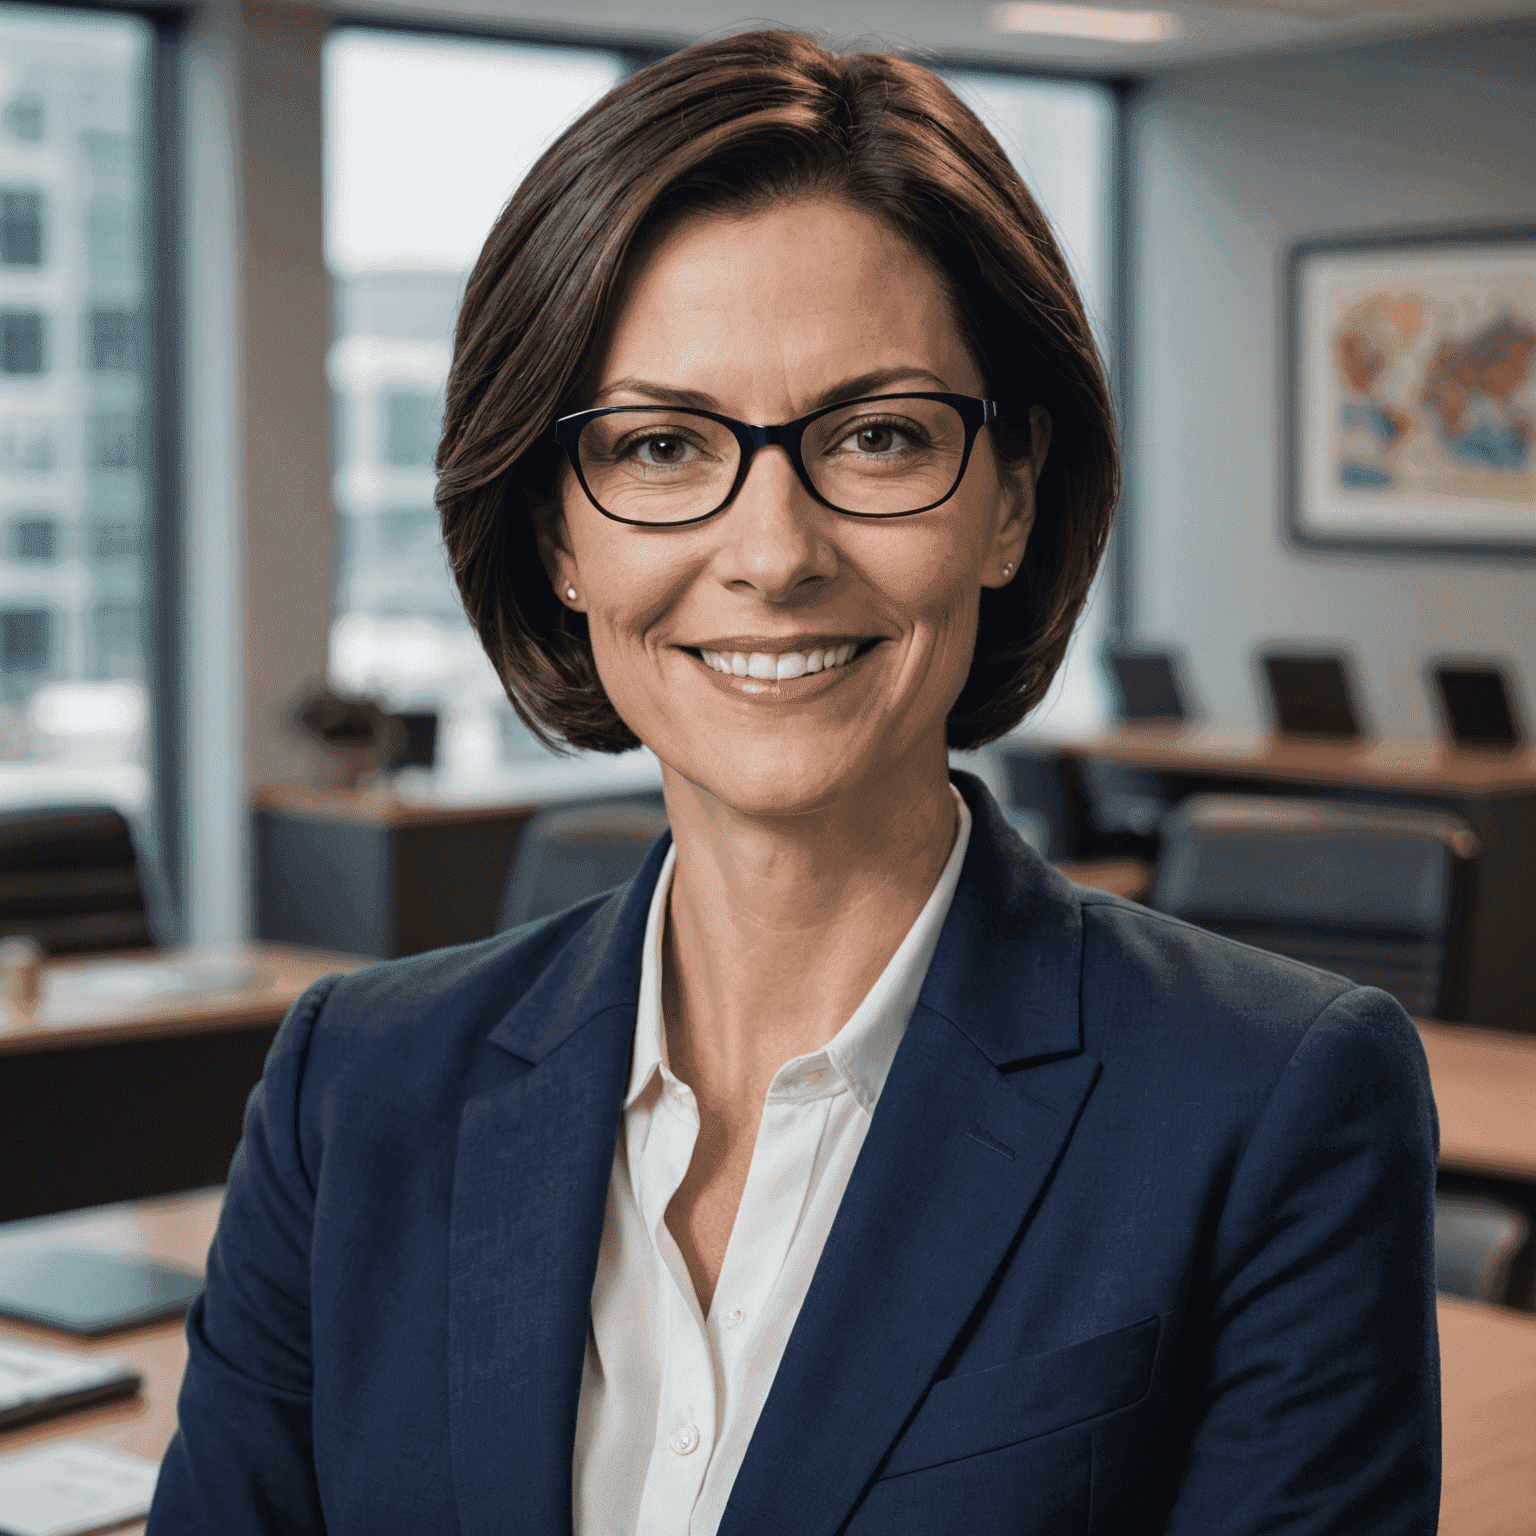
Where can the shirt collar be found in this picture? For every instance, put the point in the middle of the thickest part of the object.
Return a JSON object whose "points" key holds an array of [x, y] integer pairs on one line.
{"points": [[862, 1051]]}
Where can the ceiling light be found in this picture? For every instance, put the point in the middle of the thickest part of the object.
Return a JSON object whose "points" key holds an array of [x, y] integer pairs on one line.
{"points": [[1090, 21]]}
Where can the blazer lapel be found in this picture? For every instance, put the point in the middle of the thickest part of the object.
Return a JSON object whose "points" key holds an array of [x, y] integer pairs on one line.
{"points": [[955, 1159], [529, 1193]]}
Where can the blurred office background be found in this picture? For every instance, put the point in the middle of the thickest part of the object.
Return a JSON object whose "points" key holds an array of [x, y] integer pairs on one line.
{"points": [[233, 239]]}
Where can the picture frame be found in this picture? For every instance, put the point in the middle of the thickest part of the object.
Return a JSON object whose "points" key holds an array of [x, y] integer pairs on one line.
{"points": [[1411, 390]]}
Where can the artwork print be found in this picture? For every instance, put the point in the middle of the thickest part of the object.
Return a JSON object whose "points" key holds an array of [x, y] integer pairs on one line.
{"points": [[1414, 370]]}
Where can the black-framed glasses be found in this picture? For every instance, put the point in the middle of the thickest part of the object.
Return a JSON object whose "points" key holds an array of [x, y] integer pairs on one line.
{"points": [[877, 456]]}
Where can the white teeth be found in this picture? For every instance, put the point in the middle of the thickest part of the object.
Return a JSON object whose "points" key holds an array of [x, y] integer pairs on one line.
{"points": [[790, 664]]}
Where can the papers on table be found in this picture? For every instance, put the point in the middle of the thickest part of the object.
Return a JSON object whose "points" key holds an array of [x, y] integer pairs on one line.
{"points": [[73, 1488], [144, 981], [35, 1382]]}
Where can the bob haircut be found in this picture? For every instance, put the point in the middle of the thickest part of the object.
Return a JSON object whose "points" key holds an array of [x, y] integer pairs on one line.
{"points": [[732, 127]]}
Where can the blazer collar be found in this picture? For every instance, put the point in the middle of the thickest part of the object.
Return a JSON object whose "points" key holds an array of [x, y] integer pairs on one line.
{"points": [[1008, 969]]}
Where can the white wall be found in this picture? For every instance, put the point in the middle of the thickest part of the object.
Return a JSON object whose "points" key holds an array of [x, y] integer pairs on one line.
{"points": [[1230, 165]]}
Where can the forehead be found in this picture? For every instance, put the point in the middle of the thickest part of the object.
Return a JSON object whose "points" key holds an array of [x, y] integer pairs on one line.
{"points": [[770, 308]]}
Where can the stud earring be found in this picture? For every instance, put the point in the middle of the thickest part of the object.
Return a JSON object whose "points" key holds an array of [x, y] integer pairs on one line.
{"points": [[1008, 568], [570, 592]]}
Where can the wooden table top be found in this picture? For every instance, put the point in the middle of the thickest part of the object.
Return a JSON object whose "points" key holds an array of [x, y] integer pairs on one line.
{"points": [[155, 994], [1485, 1091], [1488, 1369], [1488, 1409], [1386, 762]]}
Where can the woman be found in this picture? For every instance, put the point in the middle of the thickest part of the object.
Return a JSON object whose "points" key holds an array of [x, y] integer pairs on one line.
{"points": [[849, 1170]]}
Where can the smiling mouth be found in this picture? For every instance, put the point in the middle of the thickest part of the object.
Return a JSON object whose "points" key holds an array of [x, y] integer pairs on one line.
{"points": [[782, 666]]}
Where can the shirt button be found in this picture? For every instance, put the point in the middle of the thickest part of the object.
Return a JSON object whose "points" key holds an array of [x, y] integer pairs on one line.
{"points": [[733, 1317], [683, 1440]]}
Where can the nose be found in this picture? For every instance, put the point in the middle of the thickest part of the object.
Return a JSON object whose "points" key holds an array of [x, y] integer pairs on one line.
{"points": [[773, 537]]}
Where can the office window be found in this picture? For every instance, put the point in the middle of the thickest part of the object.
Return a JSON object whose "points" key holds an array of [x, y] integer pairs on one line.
{"points": [[21, 229], [21, 341], [1060, 136], [26, 640], [410, 197], [412, 425], [113, 343], [32, 538], [74, 427], [23, 118]]}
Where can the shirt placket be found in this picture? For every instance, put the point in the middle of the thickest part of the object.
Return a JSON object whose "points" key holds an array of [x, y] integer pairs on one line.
{"points": [[686, 1416]]}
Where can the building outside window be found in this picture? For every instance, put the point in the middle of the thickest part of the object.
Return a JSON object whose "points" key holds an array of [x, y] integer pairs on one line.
{"points": [[73, 556]]}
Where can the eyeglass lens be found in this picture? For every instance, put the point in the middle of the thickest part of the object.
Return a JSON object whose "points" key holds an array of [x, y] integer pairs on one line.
{"points": [[882, 458]]}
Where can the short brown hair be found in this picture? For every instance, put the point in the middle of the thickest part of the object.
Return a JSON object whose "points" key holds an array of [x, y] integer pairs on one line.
{"points": [[731, 126]]}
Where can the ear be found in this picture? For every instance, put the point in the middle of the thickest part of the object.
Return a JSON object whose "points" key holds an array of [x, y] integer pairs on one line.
{"points": [[1016, 506], [554, 544]]}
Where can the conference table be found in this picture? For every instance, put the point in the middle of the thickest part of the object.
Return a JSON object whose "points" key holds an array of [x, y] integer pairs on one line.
{"points": [[1488, 1368]]}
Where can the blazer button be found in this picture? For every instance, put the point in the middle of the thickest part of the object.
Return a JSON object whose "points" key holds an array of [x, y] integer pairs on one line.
{"points": [[683, 1440]]}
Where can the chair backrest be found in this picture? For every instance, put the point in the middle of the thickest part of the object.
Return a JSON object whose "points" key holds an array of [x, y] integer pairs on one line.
{"points": [[1377, 894], [1146, 683], [1310, 695], [1476, 1240], [570, 852], [69, 877]]}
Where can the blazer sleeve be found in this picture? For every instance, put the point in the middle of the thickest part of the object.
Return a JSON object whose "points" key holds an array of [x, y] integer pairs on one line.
{"points": [[241, 1461], [1321, 1371]]}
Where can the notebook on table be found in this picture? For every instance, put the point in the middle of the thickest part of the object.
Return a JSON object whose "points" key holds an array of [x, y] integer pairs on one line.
{"points": [[35, 1383], [73, 1488], [88, 1291]]}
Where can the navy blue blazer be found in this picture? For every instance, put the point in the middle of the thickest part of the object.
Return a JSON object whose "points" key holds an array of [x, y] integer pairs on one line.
{"points": [[1139, 1241]]}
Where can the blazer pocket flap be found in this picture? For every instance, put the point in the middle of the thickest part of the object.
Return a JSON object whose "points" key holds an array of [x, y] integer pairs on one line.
{"points": [[986, 1410]]}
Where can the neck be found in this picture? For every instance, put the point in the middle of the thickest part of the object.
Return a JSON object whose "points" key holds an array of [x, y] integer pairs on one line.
{"points": [[778, 925]]}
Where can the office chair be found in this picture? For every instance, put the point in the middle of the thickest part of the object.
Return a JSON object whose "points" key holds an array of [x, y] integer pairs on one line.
{"points": [[1380, 895], [570, 852], [1310, 695], [1476, 1241], [1147, 683], [70, 878]]}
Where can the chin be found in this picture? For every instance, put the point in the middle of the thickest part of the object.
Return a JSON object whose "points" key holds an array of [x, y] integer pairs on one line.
{"points": [[773, 781]]}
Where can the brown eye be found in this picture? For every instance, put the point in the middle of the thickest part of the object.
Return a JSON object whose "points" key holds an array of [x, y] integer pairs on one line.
{"points": [[663, 450], [875, 439]]}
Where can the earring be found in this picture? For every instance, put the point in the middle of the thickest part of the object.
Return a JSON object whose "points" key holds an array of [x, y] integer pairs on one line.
{"points": [[570, 592], [1007, 568]]}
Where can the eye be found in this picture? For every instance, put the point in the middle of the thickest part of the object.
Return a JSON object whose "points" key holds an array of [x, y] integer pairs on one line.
{"points": [[878, 439], [662, 450]]}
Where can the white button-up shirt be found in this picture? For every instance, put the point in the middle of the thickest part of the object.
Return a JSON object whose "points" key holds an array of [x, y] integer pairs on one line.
{"points": [[669, 1397]]}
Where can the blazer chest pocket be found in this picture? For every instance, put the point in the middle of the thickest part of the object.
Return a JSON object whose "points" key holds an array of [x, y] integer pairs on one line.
{"points": [[986, 1410]]}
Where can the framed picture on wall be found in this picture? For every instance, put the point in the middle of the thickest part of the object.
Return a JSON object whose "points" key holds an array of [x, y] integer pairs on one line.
{"points": [[1412, 392]]}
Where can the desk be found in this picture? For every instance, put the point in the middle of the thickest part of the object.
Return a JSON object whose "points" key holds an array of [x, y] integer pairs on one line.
{"points": [[175, 1228], [1494, 792], [1485, 1091], [108, 1098], [1488, 1367]]}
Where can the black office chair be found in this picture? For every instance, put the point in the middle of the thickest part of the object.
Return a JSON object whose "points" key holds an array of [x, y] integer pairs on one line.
{"points": [[1379, 895], [70, 878], [1476, 1241], [569, 852]]}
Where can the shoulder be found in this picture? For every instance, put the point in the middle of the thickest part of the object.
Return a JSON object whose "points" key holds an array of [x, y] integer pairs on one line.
{"points": [[1179, 1000], [427, 1015]]}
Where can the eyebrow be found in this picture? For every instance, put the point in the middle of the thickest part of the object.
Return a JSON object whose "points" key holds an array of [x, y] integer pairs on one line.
{"points": [[848, 389]]}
